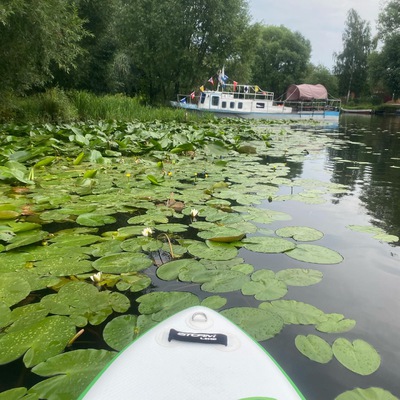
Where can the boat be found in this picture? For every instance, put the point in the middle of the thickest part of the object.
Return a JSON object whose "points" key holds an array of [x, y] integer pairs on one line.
{"points": [[250, 101], [365, 111], [196, 354]]}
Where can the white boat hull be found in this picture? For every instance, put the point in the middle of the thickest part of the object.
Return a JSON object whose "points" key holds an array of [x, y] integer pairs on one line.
{"points": [[153, 367]]}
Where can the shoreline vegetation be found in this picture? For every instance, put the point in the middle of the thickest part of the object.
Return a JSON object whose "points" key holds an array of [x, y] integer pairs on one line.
{"points": [[58, 106]]}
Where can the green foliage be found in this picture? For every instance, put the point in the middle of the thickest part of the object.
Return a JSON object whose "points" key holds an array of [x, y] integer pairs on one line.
{"points": [[281, 58], [36, 36], [351, 63]]}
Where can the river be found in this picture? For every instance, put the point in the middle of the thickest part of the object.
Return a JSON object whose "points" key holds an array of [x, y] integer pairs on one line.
{"points": [[366, 285]]}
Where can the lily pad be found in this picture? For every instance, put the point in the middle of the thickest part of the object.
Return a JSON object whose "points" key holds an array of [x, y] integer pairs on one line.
{"points": [[314, 348], [93, 219], [335, 323], [13, 289], [171, 270], [311, 253], [358, 356], [222, 234], [70, 373], [213, 251], [54, 332], [161, 305], [262, 244], [214, 302], [260, 324], [18, 394], [220, 281], [84, 303], [295, 312], [120, 331], [122, 262], [372, 393], [264, 286], [299, 276], [300, 233], [26, 238]]}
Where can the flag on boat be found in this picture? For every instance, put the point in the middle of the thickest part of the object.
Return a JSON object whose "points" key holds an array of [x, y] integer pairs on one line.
{"points": [[234, 86], [222, 78], [202, 88], [211, 80], [256, 88], [183, 100], [192, 95]]}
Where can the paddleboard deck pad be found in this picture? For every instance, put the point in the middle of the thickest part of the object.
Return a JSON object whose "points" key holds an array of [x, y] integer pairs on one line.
{"points": [[196, 354]]}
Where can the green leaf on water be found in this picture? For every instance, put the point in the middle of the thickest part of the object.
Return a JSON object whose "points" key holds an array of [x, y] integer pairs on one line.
{"points": [[162, 305], [19, 393], [300, 233], [299, 276], [213, 251], [295, 312], [335, 323], [120, 331], [13, 289], [84, 303], [220, 281], [171, 270], [311, 253], [122, 262], [25, 238], [264, 286], [372, 393], [314, 348], [55, 331], [265, 244], [93, 219], [358, 356], [260, 324], [70, 373], [214, 302]]}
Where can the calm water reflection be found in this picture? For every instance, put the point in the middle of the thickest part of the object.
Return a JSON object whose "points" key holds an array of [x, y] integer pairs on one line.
{"points": [[366, 285]]}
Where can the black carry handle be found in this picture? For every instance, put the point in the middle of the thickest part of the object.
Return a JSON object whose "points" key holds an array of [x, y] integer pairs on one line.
{"points": [[194, 337]]}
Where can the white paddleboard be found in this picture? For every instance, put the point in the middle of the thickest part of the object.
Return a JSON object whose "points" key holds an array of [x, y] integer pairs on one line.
{"points": [[197, 354]]}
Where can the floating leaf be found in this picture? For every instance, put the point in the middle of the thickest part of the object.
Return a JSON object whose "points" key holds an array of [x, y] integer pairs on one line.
{"points": [[335, 323], [260, 324], [359, 356], [171, 270], [213, 251], [214, 302], [54, 331], [122, 262], [13, 289], [26, 238], [294, 312], [315, 254], [372, 393], [314, 348], [265, 286], [120, 331], [222, 234], [70, 373], [300, 233], [220, 281], [299, 277], [18, 394], [84, 303], [93, 219], [164, 304], [262, 244]]}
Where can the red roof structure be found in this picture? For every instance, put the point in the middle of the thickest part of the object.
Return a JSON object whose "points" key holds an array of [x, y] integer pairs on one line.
{"points": [[306, 92]]}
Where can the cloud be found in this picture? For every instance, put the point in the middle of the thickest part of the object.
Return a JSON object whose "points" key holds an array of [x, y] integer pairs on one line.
{"points": [[320, 21]]}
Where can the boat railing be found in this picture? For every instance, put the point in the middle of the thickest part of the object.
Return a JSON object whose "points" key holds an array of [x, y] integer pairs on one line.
{"points": [[314, 105]]}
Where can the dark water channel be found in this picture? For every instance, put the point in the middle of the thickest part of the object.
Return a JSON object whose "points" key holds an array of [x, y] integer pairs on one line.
{"points": [[366, 285]]}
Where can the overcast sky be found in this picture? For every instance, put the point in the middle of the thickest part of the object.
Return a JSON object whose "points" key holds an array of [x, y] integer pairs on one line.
{"points": [[322, 22]]}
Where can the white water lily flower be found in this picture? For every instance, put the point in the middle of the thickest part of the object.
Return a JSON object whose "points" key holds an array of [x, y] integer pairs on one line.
{"points": [[147, 232], [96, 277], [194, 213]]}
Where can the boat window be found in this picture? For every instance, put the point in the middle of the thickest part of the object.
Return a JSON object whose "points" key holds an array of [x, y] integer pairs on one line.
{"points": [[240, 105], [215, 100], [260, 105], [223, 104], [232, 104]]}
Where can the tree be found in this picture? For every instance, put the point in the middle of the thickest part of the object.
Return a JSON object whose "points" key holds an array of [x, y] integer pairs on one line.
{"points": [[385, 65], [321, 74], [282, 57], [35, 36], [351, 63], [174, 45]]}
